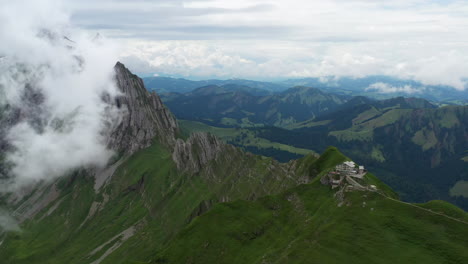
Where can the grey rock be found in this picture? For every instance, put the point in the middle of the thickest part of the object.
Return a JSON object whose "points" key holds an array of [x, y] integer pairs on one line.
{"points": [[197, 151], [145, 117]]}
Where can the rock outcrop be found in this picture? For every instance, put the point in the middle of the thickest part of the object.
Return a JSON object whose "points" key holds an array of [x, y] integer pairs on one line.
{"points": [[145, 117], [197, 151]]}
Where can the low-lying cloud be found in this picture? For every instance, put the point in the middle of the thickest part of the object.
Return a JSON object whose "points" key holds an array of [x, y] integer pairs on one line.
{"points": [[53, 78], [7, 223], [381, 87]]}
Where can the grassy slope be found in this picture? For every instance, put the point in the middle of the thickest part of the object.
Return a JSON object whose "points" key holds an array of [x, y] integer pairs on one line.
{"points": [[146, 191], [298, 225], [305, 225], [364, 124]]}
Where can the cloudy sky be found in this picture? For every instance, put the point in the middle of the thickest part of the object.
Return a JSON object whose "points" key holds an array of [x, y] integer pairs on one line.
{"points": [[270, 39]]}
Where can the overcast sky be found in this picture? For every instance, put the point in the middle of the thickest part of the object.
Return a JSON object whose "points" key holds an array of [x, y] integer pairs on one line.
{"points": [[261, 39]]}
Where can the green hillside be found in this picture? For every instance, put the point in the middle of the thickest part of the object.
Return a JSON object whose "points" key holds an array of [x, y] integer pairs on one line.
{"points": [[148, 199], [305, 225], [153, 213]]}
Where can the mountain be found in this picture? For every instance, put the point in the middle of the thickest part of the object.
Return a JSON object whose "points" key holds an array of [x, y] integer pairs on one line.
{"points": [[304, 225], [222, 106], [383, 87], [171, 198], [404, 102], [342, 115], [156, 184], [227, 88], [418, 151], [179, 85]]}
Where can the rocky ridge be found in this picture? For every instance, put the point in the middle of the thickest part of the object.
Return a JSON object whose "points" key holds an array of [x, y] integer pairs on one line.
{"points": [[192, 154]]}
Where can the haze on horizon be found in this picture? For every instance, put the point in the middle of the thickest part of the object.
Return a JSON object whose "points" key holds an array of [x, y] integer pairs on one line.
{"points": [[270, 39]]}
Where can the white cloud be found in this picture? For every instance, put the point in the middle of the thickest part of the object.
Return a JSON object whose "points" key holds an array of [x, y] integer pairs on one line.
{"points": [[62, 125], [286, 38], [388, 88], [415, 39], [7, 222], [289, 59]]}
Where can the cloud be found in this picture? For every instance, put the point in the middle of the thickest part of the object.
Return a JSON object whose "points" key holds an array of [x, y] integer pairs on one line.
{"points": [[54, 77], [388, 88], [446, 67], [415, 39], [7, 223], [316, 19], [289, 59]]}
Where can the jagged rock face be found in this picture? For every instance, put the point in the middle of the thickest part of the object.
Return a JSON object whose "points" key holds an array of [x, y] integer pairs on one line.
{"points": [[145, 117], [197, 151]]}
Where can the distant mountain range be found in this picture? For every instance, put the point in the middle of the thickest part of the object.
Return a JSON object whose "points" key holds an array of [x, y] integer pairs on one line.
{"points": [[179, 85], [241, 106], [384, 87], [234, 105], [377, 87]]}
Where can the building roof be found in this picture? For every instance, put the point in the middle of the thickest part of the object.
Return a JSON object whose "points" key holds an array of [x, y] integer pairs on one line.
{"points": [[349, 163]]}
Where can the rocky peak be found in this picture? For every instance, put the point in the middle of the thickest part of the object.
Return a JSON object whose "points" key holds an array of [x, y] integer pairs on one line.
{"points": [[145, 117]]}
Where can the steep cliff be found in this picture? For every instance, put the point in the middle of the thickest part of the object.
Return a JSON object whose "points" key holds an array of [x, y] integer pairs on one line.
{"points": [[145, 117], [200, 148]]}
